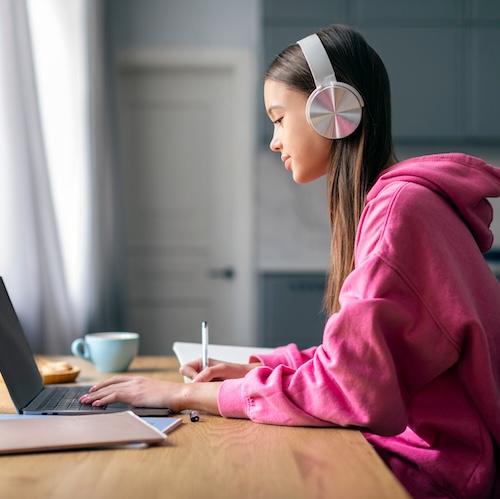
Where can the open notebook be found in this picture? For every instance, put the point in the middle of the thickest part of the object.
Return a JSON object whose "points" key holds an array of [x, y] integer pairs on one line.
{"points": [[186, 352]]}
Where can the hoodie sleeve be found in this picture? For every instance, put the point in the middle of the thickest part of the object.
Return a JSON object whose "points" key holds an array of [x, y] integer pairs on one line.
{"points": [[351, 379], [288, 355]]}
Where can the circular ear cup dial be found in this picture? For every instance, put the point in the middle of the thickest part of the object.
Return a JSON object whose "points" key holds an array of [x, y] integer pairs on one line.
{"points": [[334, 111]]}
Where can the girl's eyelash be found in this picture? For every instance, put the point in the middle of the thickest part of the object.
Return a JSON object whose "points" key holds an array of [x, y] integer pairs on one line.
{"points": [[277, 121]]}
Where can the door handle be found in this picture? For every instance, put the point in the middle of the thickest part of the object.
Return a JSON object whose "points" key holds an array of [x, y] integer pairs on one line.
{"points": [[223, 273]]}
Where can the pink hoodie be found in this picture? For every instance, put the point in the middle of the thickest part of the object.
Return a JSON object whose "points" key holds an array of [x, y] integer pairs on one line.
{"points": [[413, 357]]}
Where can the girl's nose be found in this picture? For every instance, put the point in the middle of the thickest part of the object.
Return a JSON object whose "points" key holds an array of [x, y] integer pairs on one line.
{"points": [[275, 144]]}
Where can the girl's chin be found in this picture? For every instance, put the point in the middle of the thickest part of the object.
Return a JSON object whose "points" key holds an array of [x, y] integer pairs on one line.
{"points": [[304, 179]]}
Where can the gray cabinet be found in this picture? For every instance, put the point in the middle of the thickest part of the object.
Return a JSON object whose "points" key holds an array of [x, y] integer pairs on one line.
{"points": [[391, 12], [484, 83], [291, 309], [484, 10], [441, 56], [426, 77]]}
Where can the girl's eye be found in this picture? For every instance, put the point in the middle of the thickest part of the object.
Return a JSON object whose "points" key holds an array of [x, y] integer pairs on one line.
{"points": [[278, 121]]}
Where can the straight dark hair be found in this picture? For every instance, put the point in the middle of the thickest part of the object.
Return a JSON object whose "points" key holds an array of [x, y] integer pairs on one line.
{"points": [[357, 160]]}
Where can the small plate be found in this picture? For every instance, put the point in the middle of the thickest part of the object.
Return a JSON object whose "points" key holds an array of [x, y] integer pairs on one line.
{"points": [[57, 372], [61, 376]]}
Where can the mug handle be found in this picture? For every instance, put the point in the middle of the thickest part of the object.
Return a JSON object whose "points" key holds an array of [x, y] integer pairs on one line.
{"points": [[79, 349]]}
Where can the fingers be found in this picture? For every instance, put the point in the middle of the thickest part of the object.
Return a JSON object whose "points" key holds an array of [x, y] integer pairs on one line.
{"points": [[193, 369], [195, 375], [99, 397], [139, 391], [219, 371], [104, 400], [107, 392], [108, 382], [188, 371]]}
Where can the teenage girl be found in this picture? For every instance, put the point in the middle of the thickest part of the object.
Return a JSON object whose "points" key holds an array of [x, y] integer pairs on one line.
{"points": [[411, 350]]}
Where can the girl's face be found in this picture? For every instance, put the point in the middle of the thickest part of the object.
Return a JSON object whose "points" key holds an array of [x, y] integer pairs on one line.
{"points": [[303, 151]]}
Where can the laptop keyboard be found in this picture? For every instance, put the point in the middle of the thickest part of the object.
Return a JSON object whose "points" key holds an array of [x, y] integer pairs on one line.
{"points": [[64, 398]]}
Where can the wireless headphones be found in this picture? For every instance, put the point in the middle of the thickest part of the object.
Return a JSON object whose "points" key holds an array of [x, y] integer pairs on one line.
{"points": [[334, 109]]}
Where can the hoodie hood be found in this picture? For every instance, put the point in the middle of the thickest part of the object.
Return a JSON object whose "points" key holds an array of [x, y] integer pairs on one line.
{"points": [[464, 181]]}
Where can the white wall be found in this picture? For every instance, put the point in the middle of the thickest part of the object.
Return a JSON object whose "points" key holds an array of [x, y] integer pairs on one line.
{"points": [[293, 232], [292, 225]]}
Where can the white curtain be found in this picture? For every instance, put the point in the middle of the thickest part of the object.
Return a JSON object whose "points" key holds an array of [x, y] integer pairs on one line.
{"points": [[59, 230]]}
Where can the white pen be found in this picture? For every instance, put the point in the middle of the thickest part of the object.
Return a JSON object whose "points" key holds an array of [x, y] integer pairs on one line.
{"points": [[204, 345]]}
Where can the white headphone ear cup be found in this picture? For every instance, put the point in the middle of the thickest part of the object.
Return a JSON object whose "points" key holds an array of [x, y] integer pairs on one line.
{"points": [[334, 111]]}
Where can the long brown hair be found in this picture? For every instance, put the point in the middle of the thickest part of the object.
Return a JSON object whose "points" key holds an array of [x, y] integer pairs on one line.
{"points": [[357, 160]]}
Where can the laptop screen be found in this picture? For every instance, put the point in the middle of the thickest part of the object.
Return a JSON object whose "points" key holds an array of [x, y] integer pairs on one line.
{"points": [[17, 364]]}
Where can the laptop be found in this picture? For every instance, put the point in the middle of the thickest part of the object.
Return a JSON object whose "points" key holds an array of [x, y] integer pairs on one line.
{"points": [[25, 384]]}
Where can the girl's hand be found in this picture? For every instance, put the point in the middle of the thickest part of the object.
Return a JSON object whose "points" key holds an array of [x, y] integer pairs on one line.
{"points": [[216, 370], [149, 392]]}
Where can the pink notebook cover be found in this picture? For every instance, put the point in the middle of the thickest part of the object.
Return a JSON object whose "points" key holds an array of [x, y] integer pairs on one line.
{"points": [[48, 433]]}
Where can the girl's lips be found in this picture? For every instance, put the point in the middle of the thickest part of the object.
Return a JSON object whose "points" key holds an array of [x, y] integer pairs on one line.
{"points": [[287, 161]]}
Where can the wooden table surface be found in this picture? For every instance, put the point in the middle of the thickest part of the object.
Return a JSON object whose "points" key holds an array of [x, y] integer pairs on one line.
{"points": [[214, 458]]}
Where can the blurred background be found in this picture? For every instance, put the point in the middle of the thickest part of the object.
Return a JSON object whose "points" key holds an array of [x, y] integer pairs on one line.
{"points": [[138, 190]]}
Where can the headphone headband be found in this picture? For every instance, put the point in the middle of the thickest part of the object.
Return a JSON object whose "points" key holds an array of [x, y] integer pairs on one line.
{"points": [[317, 59]]}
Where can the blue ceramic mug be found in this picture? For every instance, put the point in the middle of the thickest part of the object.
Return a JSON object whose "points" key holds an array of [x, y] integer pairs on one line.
{"points": [[108, 351]]}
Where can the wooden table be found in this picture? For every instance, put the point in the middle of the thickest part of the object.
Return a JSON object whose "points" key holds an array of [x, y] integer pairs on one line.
{"points": [[214, 458]]}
